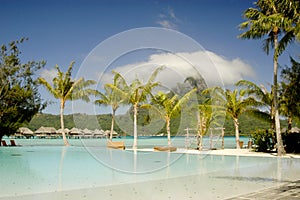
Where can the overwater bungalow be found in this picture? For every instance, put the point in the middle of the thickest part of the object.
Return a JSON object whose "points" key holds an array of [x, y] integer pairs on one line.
{"points": [[24, 132], [98, 133], [75, 133], [114, 134], [86, 133], [45, 132], [59, 132]]}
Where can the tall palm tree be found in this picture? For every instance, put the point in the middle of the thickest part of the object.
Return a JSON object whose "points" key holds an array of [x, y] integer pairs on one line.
{"points": [[271, 18], [169, 105], [135, 94], [64, 89], [236, 103], [112, 97]]}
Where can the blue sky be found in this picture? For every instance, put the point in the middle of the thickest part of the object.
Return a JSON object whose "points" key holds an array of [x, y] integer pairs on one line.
{"points": [[62, 31]]}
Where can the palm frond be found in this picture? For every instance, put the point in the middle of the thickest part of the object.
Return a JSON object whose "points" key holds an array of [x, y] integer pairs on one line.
{"points": [[284, 42], [259, 114], [49, 87]]}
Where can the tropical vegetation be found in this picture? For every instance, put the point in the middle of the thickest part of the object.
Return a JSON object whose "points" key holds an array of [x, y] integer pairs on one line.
{"points": [[168, 106], [64, 88], [289, 92], [235, 104], [135, 94], [274, 21], [112, 97], [19, 97], [277, 22]]}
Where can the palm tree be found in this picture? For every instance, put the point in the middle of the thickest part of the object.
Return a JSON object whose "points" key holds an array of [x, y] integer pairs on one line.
{"points": [[289, 93], [236, 103], [271, 18], [135, 94], [262, 95], [169, 105], [138, 93], [112, 97], [210, 115], [64, 89], [204, 117]]}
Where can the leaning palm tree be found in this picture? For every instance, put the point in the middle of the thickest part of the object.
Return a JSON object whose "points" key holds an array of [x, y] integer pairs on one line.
{"points": [[236, 103], [271, 18], [169, 106], [64, 89], [112, 97]]}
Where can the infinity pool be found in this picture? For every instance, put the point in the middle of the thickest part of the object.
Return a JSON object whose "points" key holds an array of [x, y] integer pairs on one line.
{"points": [[88, 170]]}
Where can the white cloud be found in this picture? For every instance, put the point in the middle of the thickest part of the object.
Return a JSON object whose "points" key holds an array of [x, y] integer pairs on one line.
{"points": [[168, 19], [214, 68], [48, 74], [166, 24]]}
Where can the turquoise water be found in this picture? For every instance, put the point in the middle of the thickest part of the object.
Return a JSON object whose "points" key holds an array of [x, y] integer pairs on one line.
{"points": [[40, 166]]}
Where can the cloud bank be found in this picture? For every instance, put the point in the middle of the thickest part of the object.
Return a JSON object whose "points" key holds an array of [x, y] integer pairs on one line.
{"points": [[214, 68]]}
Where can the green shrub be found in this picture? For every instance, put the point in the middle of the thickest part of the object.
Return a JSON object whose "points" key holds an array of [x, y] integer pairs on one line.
{"points": [[262, 140]]}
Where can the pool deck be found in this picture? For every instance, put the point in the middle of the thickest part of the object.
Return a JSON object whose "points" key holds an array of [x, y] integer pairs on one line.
{"points": [[226, 152], [289, 191]]}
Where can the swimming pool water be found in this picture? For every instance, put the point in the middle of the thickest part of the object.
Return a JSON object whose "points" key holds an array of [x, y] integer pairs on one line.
{"points": [[48, 167]]}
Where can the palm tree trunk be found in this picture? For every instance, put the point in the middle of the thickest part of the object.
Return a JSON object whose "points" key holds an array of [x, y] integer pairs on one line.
{"points": [[168, 131], [199, 135], [272, 111], [290, 121], [134, 126], [112, 124], [280, 149], [62, 106], [237, 134]]}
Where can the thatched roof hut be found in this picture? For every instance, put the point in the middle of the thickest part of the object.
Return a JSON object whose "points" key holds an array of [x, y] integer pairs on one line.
{"points": [[75, 131], [59, 131], [45, 131], [107, 133], [24, 131]]}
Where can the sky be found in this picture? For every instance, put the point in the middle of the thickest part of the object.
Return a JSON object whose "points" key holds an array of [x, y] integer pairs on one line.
{"points": [[134, 37]]}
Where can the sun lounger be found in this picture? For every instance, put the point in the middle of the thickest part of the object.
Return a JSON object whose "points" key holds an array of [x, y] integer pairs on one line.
{"points": [[13, 143], [165, 148], [116, 145], [3, 142]]}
